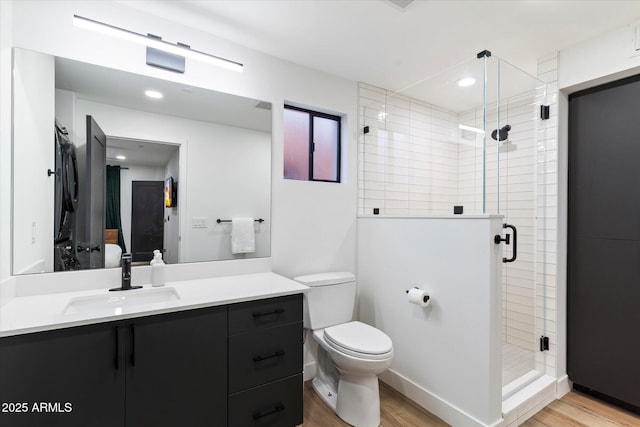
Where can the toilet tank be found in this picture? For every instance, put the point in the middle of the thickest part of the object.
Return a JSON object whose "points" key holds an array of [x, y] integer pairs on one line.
{"points": [[331, 299]]}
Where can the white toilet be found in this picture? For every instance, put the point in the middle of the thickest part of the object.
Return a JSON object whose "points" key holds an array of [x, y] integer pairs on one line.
{"points": [[351, 354]]}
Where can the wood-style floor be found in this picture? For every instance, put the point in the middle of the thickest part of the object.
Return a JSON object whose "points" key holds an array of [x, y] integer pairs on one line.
{"points": [[573, 410], [576, 409], [395, 410]]}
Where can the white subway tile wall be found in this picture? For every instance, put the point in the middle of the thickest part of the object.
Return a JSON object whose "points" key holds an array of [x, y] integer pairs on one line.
{"points": [[409, 159], [416, 160]]}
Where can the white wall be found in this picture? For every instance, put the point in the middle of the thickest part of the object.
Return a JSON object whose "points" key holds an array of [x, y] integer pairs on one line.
{"points": [[172, 216], [447, 357], [313, 225], [65, 109], [612, 56], [6, 43], [33, 226]]}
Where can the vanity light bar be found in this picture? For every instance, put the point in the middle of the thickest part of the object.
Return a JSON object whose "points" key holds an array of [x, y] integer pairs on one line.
{"points": [[181, 50]]}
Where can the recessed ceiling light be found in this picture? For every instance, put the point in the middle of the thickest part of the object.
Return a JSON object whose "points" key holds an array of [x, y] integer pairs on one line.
{"points": [[121, 157], [153, 94], [467, 81]]}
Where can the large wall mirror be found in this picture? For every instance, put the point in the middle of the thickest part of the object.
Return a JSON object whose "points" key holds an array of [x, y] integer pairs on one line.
{"points": [[107, 162]]}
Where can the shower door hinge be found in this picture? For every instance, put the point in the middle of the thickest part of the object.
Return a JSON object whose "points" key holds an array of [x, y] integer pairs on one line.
{"points": [[544, 112], [544, 343]]}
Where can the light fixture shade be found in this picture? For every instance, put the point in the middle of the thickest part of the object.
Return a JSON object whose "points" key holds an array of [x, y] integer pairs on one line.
{"points": [[156, 43], [165, 60]]}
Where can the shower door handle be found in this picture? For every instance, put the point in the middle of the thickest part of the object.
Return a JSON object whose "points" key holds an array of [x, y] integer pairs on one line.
{"points": [[515, 243], [498, 239]]}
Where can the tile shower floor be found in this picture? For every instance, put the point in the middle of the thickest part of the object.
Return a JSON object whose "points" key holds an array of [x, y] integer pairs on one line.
{"points": [[516, 361]]}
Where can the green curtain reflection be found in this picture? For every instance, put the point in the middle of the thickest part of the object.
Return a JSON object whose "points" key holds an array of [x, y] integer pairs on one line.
{"points": [[113, 217]]}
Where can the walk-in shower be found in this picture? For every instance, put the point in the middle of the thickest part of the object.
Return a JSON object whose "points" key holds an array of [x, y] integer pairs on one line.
{"points": [[470, 136]]}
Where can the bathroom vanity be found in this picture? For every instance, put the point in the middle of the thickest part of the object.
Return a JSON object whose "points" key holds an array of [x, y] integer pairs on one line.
{"points": [[230, 357]]}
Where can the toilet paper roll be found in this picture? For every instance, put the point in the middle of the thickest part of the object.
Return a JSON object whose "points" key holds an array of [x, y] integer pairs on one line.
{"points": [[419, 296]]}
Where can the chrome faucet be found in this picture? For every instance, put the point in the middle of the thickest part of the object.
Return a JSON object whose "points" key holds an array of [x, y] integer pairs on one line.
{"points": [[126, 274]]}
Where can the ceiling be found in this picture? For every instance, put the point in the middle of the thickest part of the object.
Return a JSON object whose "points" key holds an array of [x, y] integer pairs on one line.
{"points": [[109, 86], [377, 42], [140, 153]]}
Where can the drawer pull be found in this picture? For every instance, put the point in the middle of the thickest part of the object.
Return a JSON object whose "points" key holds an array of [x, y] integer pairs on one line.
{"points": [[260, 414], [269, 313], [278, 353]]}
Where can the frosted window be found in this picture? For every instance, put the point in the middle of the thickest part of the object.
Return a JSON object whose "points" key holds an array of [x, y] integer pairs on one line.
{"points": [[296, 144], [311, 145], [325, 153]]}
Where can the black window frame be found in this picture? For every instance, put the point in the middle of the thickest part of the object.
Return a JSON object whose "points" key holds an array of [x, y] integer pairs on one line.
{"points": [[338, 119]]}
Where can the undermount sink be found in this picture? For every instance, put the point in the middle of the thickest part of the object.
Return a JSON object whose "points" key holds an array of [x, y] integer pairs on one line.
{"points": [[116, 302]]}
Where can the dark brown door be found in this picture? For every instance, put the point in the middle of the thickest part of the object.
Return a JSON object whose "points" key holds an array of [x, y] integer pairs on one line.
{"points": [[147, 219], [91, 238], [604, 240]]}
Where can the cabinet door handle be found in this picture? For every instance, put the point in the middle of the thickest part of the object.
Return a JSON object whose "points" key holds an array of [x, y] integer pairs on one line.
{"points": [[133, 344], [260, 414], [278, 353], [269, 313]]}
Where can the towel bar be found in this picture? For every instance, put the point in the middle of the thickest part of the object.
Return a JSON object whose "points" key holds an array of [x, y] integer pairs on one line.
{"points": [[228, 220]]}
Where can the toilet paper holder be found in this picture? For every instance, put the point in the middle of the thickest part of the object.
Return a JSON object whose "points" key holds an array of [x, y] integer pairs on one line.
{"points": [[427, 297]]}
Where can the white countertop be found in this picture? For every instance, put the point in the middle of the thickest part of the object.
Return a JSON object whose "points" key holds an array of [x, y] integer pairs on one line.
{"points": [[36, 313]]}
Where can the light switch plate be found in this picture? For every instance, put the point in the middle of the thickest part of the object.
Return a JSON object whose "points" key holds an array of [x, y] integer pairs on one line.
{"points": [[198, 222]]}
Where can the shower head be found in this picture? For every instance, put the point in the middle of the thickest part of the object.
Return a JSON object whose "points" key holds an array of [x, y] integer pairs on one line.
{"points": [[501, 134]]}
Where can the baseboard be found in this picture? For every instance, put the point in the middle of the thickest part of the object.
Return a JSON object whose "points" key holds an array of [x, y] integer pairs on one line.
{"points": [[564, 386], [309, 371], [432, 403]]}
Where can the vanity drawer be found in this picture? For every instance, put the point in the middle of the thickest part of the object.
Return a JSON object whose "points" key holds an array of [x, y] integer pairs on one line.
{"points": [[257, 315], [260, 357], [275, 404]]}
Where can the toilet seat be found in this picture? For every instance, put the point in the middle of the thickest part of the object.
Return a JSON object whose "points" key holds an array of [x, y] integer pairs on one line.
{"points": [[359, 340]]}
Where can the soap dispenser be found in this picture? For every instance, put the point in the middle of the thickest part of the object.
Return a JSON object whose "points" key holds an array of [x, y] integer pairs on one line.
{"points": [[157, 269]]}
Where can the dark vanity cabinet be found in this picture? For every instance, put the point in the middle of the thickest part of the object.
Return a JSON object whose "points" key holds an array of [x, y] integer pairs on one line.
{"points": [[69, 377], [176, 369], [164, 370], [235, 365], [265, 362]]}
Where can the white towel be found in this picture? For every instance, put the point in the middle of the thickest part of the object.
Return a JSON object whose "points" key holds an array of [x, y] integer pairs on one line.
{"points": [[243, 238]]}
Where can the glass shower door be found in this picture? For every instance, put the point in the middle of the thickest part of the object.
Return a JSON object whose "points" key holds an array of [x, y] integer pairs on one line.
{"points": [[514, 137]]}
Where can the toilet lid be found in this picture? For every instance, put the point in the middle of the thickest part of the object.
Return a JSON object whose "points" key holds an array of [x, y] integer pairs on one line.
{"points": [[358, 337]]}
